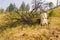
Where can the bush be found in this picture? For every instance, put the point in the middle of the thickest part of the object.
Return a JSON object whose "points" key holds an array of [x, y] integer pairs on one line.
{"points": [[14, 15], [52, 13]]}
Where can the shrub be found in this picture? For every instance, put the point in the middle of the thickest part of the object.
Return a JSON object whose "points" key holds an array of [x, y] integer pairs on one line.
{"points": [[52, 13]]}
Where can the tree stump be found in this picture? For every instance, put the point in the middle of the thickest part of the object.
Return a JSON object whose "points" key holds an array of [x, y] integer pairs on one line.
{"points": [[44, 19]]}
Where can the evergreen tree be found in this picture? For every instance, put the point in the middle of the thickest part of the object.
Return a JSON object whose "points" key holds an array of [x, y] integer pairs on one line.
{"points": [[11, 7], [22, 7], [27, 7], [1, 10]]}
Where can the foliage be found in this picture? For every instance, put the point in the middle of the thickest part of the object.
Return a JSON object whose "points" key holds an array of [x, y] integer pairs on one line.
{"points": [[1, 10], [22, 7], [51, 5], [14, 15], [52, 13], [11, 7], [27, 7]]}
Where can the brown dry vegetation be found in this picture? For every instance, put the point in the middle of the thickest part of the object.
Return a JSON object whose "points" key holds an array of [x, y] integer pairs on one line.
{"points": [[32, 32]]}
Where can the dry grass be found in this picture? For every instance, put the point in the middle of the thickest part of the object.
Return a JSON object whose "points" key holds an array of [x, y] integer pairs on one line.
{"points": [[34, 32], [31, 33]]}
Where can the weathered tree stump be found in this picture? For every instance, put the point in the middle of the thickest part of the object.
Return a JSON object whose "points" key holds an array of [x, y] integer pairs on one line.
{"points": [[44, 19]]}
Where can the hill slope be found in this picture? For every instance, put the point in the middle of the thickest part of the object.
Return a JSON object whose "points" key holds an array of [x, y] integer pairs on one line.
{"points": [[33, 32], [57, 11]]}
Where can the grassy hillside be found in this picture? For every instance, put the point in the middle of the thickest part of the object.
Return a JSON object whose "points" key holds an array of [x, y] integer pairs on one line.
{"points": [[57, 11], [31, 32]]}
